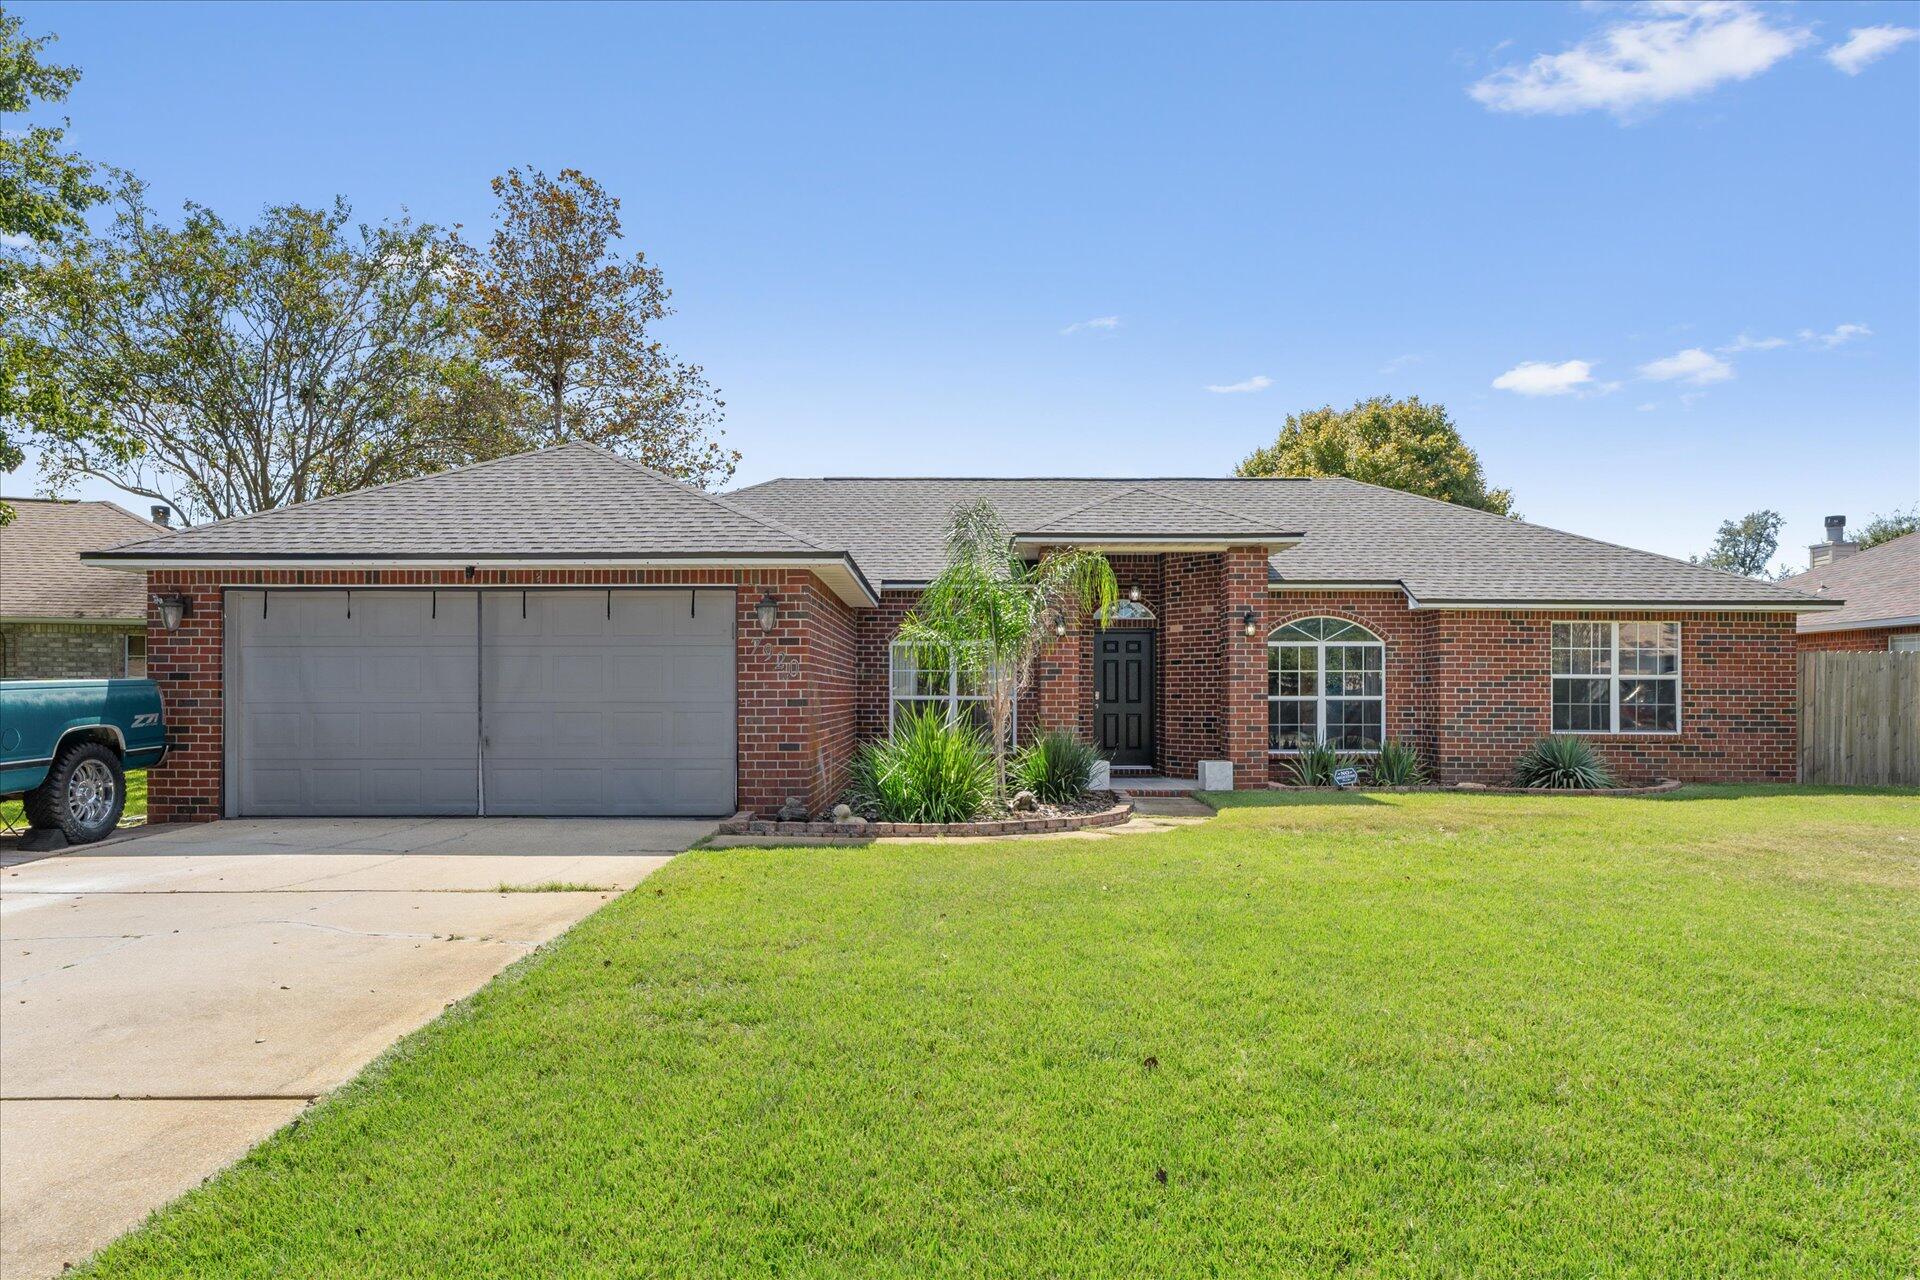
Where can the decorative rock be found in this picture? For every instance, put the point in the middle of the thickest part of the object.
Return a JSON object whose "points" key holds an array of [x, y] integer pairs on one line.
{"points": [[793, 809], [1215, 775], [1472, 786], [853, 820], [843, 813], [1025, 802], [1100, 776]]}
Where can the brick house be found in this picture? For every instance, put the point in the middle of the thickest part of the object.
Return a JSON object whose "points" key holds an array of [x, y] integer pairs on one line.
{"points": [[568, 632], [1879, 588], [61, 619]]}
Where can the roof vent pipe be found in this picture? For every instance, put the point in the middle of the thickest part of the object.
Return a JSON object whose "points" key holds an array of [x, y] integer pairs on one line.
{"points": [[162, 516], [1836, 528]]}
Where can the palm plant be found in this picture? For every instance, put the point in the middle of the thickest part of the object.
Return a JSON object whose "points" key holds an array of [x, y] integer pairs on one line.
{"points": [[994, 612]]}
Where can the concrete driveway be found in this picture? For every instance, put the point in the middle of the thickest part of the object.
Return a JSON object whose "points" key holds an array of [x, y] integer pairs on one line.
{"points": [[170, 999]]}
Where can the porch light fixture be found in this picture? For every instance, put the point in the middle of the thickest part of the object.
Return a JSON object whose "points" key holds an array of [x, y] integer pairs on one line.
{"points": [[172, 610], [1133, 593], [1249, 622], [767, 612], [1059, 624]]}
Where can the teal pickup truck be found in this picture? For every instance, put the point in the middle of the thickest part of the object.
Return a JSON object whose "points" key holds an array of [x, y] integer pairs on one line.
{"points": [[66, 746]]}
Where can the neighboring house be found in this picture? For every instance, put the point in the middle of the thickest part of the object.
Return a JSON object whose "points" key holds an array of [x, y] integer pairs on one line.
{"points": [[59, 618], [566, 631], [1880, 587]]}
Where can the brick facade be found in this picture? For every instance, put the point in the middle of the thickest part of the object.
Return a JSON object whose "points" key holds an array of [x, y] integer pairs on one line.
{"points": [[1854, 639], [64, 650], [794, 685], [1470, 689]]}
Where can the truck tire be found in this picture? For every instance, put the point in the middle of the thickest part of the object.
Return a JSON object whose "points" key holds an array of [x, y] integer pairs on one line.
{"points": [[83, 795]]}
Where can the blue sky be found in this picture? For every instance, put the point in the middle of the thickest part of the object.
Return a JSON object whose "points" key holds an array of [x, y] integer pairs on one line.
{"points": [[1662, 264]]}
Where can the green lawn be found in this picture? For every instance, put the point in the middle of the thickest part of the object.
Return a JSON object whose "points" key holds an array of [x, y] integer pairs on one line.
{"points": [[11, 813], [1406, 1035]]}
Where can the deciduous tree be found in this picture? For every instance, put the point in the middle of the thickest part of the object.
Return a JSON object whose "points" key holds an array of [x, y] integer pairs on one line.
{"points": [[1402, 444], [565, 320], [1745, 546], [1885, 528]]}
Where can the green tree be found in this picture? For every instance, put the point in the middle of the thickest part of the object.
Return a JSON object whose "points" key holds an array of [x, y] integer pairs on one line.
{"points": [[1885, 528], [45, 191], [994, 612], [564, 320], [249, 366], [1402, 444], [1746, 545]]}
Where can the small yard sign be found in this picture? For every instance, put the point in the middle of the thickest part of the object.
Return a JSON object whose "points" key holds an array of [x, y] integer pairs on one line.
{"points": [[1348, 777]]}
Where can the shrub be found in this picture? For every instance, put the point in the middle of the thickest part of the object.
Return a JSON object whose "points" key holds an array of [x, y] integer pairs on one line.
{"points": [[1054, 766], [1398, 765], [1562, 764], [1315, 764], [928, 771]]}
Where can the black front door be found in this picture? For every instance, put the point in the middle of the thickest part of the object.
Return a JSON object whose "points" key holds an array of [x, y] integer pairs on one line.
{"points": [[1123, 696]]}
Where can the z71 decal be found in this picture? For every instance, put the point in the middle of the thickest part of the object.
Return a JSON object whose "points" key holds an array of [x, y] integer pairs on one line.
{"points": [[146, 721]]}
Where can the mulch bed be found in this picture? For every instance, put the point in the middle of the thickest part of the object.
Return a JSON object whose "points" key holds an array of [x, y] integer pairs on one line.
{"points": [[1096, 809]]}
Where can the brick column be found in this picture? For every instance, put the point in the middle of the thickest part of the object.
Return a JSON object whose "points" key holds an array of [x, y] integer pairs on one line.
{"points": [[1243, 586]]}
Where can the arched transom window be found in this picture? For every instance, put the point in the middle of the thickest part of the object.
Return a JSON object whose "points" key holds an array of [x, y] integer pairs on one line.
{"points": [[1326, 682]]}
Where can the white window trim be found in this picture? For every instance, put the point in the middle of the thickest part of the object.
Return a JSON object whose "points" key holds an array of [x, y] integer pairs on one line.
{"points": [[953, 698], [1320, 681], [1613, 681]]}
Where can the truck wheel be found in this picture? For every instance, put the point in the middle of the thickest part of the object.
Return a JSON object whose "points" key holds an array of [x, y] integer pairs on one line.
{"points": [[83, 795]]}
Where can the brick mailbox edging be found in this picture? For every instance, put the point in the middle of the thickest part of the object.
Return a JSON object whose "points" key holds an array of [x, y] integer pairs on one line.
{"points": [[1469, 789], [745, 824]]}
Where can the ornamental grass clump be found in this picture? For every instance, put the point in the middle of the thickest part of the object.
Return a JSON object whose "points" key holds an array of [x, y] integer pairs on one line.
{"points": [[1055, 766], [1398, 765], [928, 771], [1315, 764], [1562, 764]]}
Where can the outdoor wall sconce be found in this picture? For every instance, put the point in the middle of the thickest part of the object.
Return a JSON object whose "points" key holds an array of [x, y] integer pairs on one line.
{"points": [[1133, 593], [767, 612], [1250, 622], [1059, 624], [172, 610]]}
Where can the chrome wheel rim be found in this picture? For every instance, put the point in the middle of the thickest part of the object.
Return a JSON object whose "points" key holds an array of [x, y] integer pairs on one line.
{"points": [[90, 793]]}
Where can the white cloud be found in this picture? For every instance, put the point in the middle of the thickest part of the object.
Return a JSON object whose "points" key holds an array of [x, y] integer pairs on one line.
{"points": [[1648, 407], [1868, 44], [1400, 362], [1663, 52], [1746, 343], [12, 240], [1258, 382], [1692, 366], [1103, 324], [1838, 335], [1541, 378]]}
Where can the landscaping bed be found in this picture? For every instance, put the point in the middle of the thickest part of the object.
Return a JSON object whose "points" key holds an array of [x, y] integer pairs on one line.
{"points": [[1096, 809], [1473, 788]]}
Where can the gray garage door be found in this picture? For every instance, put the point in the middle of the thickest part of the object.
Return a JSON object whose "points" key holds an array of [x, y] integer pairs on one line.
{"points": [[596, 702], [352, 703], [552, 702]]}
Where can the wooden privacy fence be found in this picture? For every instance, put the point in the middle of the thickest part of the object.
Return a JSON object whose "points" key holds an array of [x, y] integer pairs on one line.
{"points": [[1860, 719]]}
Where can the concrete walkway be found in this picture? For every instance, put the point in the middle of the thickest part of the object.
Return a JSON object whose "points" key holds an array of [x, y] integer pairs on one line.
{"points": [[170, 999]]}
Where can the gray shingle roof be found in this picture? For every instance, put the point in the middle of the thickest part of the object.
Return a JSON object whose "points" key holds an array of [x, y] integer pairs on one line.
{"points": [[41, 575], [1881, 586], [571, 500], [1352, 532], [1137, 510]]}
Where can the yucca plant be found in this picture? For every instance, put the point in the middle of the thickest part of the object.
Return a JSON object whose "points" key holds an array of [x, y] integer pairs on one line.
{"points": [[1398, 765], [1054, 766], [1315, 764], [928, 771], [1562, 764]]}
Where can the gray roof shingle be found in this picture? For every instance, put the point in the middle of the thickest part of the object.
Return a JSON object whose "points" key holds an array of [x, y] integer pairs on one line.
{"points": [[41, 575], [571, 500], [1351, 532], [1881, 586]]}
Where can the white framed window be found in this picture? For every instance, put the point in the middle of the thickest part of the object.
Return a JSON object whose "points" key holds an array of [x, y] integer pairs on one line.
{"points": [[1326, 682], [915, 684], [1616, 677], [1904, 644], [136, 656]]}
